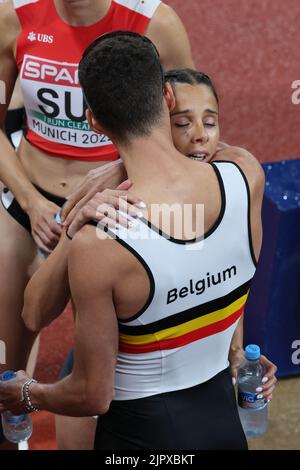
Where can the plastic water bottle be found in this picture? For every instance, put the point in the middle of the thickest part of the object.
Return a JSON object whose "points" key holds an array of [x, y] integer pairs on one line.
{"points": [[253, 411], [57, 219], [15, 428]]}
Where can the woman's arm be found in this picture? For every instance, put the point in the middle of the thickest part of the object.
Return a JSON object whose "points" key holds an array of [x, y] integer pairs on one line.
{"points": [[12, 172], [47, 293], [169, 35], [236, 351]]}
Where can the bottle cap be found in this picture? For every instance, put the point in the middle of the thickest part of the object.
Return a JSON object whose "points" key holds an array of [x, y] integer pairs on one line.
{"points": [[57, 218], [8, 375], [252, 352]]}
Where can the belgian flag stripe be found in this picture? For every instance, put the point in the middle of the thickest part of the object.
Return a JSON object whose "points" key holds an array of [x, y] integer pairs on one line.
{"points": [[184, 339], [186, 315], [186, 327]]}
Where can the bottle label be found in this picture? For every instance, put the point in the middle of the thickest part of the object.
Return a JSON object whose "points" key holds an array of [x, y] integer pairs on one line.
{"points": [[249, 401], [15, 420]]}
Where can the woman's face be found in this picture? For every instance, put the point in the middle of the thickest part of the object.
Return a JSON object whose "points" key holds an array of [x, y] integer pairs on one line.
{"points": [[194, 121]]}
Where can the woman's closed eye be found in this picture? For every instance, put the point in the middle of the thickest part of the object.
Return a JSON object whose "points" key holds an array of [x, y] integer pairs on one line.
{"points": [[209, 121], [181, 124]]}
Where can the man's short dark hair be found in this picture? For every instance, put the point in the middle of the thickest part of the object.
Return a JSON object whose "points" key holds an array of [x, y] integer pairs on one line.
{"points": [[122, 80]]}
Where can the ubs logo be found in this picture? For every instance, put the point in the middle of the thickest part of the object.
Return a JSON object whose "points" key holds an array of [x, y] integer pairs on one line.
{"points": [[39, 37]]}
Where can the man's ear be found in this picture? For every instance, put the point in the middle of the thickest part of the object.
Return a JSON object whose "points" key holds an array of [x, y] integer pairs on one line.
{"points": [[169, 96], [93, 123]]}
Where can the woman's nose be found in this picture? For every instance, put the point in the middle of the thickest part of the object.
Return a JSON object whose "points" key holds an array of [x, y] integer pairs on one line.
{"points": [[200, 134]]}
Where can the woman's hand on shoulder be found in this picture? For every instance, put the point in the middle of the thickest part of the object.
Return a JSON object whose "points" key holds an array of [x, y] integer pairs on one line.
{"points": [[97, 180], [104, 207]]}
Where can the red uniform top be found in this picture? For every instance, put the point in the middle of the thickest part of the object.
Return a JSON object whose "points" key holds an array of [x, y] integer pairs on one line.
{"points": [[48, 53]]}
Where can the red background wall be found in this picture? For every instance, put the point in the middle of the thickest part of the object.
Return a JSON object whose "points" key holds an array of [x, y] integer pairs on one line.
{"points": [[251, 50]]}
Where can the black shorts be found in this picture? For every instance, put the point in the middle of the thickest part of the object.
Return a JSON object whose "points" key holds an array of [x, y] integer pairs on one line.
{"points": [[15, 210], [204, 417], [15, 121]]}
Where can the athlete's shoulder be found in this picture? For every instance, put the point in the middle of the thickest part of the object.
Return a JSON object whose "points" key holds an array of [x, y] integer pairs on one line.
{"points": [[8, 14], [9, 24], [93, 250], [168, 33], [144, 7], [246, 161], [88, 238], [165, 22], [164, 16]]}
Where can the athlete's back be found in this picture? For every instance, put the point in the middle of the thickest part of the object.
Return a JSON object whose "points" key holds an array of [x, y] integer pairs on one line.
{"points": [[178, 304]]}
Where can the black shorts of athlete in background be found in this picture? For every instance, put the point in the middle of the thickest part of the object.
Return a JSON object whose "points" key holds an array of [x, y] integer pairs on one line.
{"points": [[12, 206]]}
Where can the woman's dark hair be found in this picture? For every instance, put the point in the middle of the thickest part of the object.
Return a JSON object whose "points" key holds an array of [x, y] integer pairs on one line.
{"points": [[190, 77]]}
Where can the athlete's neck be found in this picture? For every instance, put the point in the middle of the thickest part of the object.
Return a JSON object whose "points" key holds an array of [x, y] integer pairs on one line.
{"points": [[82, 12], [153, 162]]}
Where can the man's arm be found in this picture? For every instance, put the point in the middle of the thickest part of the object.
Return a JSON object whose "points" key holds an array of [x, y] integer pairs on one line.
{"points": [[90, 388], [168, 33], [48, 292]]}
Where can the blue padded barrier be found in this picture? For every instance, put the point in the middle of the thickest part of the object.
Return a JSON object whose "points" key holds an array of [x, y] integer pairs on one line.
{"points": [[272, 314]]}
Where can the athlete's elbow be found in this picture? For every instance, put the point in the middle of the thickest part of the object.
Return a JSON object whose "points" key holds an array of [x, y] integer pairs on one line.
{"points": [[30, 314], [30, 321], [100, 409], [99, 405]]}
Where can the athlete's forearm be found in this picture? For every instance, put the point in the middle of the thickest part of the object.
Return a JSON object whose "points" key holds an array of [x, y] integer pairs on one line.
{"points": [[69, 397], [13, 175], [236, 351], [47, 293], [238, 336]]}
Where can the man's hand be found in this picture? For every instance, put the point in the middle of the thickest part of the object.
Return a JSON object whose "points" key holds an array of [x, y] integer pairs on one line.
{"points": [[10, 394], [103, 208], [106, 176], [44, 229]]}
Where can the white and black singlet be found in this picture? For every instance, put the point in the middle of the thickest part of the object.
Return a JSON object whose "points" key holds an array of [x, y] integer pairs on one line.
{"points": [[173, 388]]}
